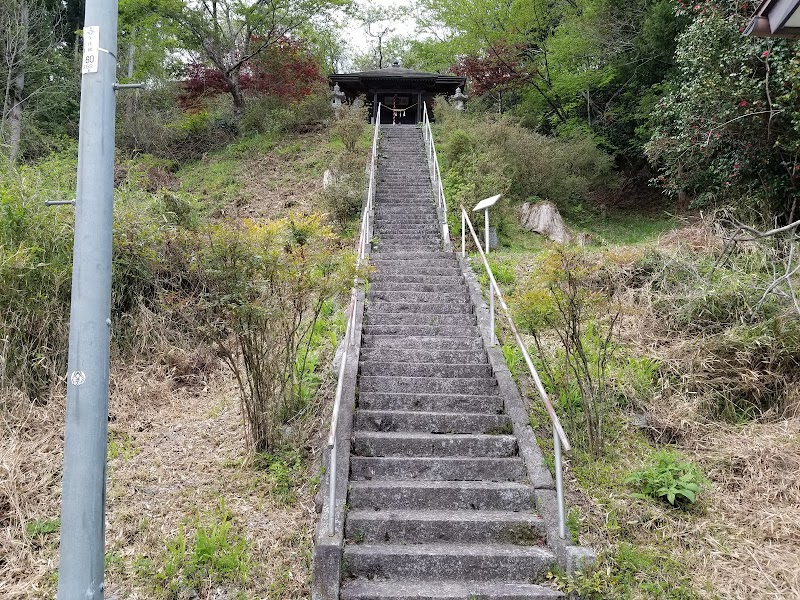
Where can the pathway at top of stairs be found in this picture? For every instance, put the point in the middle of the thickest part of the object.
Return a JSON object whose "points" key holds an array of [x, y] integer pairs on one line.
{"points": [[439, 506]]}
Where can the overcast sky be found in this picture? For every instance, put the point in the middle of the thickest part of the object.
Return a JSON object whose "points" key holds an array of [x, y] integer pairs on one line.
{"points": [[357, 37]]}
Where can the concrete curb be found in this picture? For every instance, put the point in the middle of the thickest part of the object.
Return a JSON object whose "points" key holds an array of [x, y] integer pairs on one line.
{"points": [[570, 557], [327, 557]]}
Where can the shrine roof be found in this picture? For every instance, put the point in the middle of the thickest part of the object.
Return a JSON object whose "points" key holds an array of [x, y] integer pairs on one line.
{"points": [[397, 74]]}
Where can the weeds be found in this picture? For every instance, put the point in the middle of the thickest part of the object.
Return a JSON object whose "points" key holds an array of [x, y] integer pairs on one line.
{"points": [[214, 554], [668, 478]]}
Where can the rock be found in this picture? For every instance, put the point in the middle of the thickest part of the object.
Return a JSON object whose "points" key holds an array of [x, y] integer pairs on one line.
{"points": [[544, 218], [327, 178]]}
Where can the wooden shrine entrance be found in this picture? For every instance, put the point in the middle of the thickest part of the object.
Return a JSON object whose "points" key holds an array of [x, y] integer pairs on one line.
{"points": [[401, 92]]}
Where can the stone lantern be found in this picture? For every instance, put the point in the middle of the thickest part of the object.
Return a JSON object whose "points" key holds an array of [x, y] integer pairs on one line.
{"points": [[460, 99], [338, 96]]}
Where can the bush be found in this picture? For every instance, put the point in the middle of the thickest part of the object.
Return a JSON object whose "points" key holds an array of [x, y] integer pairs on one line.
{"points": [[745, 361], [264, 287], [499, 156], [154, 123], [35, 274], [670, 479]]}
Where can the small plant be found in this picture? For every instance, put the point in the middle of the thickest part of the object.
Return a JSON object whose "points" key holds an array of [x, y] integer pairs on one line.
{"points": [[668, 478], [215, 554], [41, 527]]}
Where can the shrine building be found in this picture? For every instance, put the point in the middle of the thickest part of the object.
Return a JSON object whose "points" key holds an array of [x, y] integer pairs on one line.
{"points": [[401, 92]]}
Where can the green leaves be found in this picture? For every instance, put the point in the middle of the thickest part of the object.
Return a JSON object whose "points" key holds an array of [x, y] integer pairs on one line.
{"points": [[668, 478]]}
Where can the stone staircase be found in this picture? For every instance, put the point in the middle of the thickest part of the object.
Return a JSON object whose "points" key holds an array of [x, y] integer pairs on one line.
{"points": [[440, 504]]}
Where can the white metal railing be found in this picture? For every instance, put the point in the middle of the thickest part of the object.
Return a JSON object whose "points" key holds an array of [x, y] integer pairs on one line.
{"points": [[436, 173], [560, 440], [363, 241]]}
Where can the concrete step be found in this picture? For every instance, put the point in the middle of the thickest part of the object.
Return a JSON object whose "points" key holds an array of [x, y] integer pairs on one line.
{"points": [[431, 308], [377, 295], [436, 562], [452, 331], [424, 369], [431, 422], [431, 288], [408, 237], [427, 343], [437, 468], [373, 318], [382, 443], [436, 272], [429, 526], [383, 277], [413, 255], [480, 386], [380, 589], [440, 495], [401, 245], [434, 261], [430, 402]]}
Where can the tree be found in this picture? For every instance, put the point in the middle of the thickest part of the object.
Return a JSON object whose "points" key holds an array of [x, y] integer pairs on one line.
{"points": [[230, 34], [726, 131], [28, 50], [379, 24]]}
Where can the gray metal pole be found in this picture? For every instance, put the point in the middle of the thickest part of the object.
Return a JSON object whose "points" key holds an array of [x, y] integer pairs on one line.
{"points": [[84, 484]]}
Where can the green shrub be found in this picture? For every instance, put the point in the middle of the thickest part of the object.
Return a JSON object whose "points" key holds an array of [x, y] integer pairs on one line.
{"points": [[670, 479], [263, 287], [499, 156]]}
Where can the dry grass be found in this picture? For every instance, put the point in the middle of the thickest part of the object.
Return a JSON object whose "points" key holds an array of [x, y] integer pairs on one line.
{"points": [[746, 544], [742, 540], [178, 449], [287, 179]]}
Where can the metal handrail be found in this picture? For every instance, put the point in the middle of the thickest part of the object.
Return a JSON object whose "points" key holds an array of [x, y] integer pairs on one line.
{"points": [[351, 319], [559, 437], [435, 171]]}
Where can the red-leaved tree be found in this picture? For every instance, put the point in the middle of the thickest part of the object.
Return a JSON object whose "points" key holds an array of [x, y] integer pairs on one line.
{"points": [[286, 71], [499, 68]]}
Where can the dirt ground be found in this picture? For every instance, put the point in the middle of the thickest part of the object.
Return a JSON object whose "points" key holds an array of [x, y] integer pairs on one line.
{"points": [[175, 452]]}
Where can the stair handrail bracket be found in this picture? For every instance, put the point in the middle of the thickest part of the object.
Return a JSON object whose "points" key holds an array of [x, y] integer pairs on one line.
{"points": [[560, 441], [349, 336], [435, 173]]}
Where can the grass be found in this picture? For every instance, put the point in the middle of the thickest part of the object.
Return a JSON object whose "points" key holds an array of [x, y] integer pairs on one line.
{"points": [[176, 433], [732, 542]]}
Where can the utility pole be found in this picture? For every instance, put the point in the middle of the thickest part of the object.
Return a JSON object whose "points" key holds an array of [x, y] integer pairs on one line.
{"points": [[84, 483]]}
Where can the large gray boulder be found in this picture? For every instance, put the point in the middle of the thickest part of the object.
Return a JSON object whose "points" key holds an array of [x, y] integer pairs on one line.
{"points": [[544, 218]]}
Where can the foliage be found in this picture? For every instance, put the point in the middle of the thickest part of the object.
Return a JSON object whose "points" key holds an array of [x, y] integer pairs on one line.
{"points": [[215, 554], [594, 63], [35, 274], [264, 286], [482, 157], [625, 571], [725, 131], [578, 374], [744, 361], [344, 195], [285, 71], [230, 37], [668, 478], [285, 469]]}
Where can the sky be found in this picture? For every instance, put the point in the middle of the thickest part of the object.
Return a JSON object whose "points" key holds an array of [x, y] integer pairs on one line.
{"points": [[357, 37]]}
